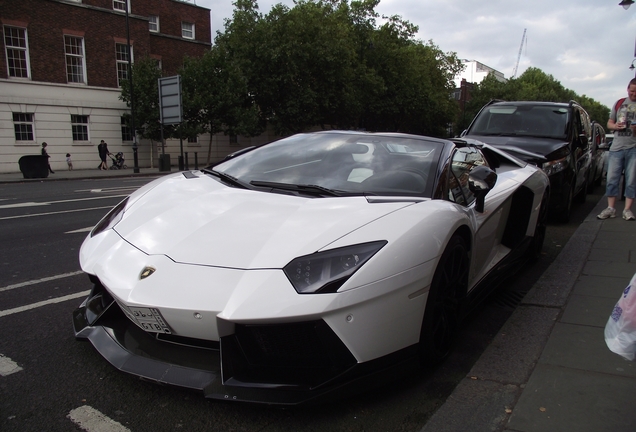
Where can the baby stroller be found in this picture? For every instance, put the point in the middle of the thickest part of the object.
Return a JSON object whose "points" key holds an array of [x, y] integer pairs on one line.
{"points": [[118, 161]]}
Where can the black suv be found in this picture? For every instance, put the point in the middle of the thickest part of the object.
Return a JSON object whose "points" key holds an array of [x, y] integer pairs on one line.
{"points": [[554, 136]]}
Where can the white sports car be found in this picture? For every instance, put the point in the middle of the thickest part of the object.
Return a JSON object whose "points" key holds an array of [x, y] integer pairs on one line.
{"points": [[308, 264]]}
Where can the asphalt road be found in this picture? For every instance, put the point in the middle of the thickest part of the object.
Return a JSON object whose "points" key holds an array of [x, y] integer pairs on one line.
{"points": [[49, 381]]}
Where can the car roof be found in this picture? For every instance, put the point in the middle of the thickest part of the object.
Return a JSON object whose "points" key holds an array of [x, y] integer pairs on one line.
{"points": [[537, 103]]}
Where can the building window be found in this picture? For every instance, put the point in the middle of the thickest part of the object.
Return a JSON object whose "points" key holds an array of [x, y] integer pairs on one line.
{"points": [[120, 5], [23, 126], [193, 140], [187, 30], [121, 51], [75, 65], [79, 125], [233, 139], [17, 52], [126, 132], [153, 23]]}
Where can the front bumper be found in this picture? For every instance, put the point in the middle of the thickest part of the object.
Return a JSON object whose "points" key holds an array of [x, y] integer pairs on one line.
{"points": [[287, 364]]}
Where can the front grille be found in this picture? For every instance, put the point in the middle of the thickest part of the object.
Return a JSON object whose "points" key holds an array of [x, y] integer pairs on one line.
{"points": [[296, 354]]}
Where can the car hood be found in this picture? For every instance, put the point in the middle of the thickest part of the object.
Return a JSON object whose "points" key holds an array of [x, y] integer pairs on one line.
{"points": [[526, 148], [198, 220]]}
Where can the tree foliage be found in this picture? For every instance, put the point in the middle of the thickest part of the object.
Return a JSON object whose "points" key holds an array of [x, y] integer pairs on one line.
{"points": [[319, 64], [532, 85], [145, 76]]}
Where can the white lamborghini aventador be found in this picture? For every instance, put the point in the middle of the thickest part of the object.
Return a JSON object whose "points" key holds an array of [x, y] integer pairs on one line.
{"points": [[308, 264]]}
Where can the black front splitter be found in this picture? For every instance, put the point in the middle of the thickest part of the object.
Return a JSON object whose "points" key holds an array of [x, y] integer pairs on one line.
{"points": [[134, 351]]}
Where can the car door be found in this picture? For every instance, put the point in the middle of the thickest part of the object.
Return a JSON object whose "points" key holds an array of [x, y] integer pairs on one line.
{"points": [[488, 226], [581, 137]]}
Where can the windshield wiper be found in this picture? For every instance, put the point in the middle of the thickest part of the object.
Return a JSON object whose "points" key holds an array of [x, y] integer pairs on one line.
{"points": [[226, 178], [301, 188]]}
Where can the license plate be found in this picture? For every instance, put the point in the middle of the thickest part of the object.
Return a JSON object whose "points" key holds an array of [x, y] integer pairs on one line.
{"points": [[149, 319]]}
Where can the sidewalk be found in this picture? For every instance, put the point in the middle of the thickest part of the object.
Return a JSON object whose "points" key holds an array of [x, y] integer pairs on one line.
{"points": [[17, 177], [549, 369]]}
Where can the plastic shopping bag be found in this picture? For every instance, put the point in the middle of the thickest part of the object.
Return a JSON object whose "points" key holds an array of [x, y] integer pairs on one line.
{"points": [[620, 330]]}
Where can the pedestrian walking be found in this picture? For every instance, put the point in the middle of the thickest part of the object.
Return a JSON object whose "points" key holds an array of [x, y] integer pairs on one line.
{"points": [[102, 149], [622, 154], [45, 153], [69, 162]]}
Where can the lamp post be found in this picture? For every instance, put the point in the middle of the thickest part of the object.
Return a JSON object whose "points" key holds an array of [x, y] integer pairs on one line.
{"points": [[626, 4], [132, 96]]}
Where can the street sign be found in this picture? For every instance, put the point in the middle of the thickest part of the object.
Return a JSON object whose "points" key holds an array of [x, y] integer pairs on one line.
{"points": [[170, 100]]}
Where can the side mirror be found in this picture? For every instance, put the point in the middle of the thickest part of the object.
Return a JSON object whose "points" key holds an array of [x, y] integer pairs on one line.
{"points": [[481, 180]]}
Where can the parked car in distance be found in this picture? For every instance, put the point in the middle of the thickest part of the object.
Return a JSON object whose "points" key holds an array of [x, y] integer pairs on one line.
{"points": [[308, 265], [554, 136], [598, 155], [609, 138]]}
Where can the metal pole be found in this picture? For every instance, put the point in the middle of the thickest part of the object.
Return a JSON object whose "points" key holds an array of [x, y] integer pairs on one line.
{"points": [[132, 97]]}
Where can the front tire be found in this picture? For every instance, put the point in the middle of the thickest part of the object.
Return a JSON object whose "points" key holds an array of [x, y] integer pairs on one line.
{"points": [[443, 306], [563, 216], [536, 245]]}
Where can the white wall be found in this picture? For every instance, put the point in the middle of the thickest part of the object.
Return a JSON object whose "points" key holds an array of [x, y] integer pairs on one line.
{"points": [[52, 106]]}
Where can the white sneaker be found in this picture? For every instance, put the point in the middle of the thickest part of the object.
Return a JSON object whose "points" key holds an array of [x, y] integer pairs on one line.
{"points": [[608, 213], [628, 215]]}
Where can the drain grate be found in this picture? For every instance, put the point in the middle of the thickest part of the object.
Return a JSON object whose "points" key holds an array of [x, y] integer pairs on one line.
{"points": [[507, 298]]}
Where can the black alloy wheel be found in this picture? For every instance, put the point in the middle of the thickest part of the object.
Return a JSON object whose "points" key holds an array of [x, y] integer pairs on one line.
{"points": [[443, 306], [564, 215]]}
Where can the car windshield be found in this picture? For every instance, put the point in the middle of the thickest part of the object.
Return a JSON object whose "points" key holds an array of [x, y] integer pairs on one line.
{"points": [[339, 164], [543, 121]]}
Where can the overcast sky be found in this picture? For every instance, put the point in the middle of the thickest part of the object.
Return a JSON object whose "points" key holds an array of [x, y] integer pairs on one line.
{"points": [[587, 45]]}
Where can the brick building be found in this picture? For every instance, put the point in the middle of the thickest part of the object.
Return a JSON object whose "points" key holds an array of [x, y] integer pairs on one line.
{"points": [[63, 62]]}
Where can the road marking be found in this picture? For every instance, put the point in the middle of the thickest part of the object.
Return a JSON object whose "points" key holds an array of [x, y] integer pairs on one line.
{"points": [[37, 281], [47, 203], [109, 189], [54, 213], [8, 366], [81, 230], [91, 420], [44, 303]]}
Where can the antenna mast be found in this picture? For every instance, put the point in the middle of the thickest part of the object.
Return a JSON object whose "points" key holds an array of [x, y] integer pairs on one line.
{"points": [[523, 38]]}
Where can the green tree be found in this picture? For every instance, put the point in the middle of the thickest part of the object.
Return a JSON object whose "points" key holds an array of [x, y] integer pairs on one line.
{"points": [[327, 63], [145, 84]]}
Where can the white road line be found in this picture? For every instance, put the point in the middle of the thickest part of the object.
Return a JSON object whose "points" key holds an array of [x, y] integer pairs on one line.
{"points": [[91, 420], [46, 203], [109, 189], [8, 366], [44, 303], [81, 230], [37, 281], [52, 213]]}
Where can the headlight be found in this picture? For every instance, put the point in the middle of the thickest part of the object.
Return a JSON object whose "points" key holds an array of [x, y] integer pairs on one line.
{"points": [[325, 272], [111, 219], [553, 167]]}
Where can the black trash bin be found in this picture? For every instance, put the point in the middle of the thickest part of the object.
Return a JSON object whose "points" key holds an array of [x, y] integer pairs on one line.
{"points": [[34, 166], [164, 162]]}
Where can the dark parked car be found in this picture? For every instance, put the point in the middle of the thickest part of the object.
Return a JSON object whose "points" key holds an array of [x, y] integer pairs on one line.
{"points": [[554, 136], [598, 155]]}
